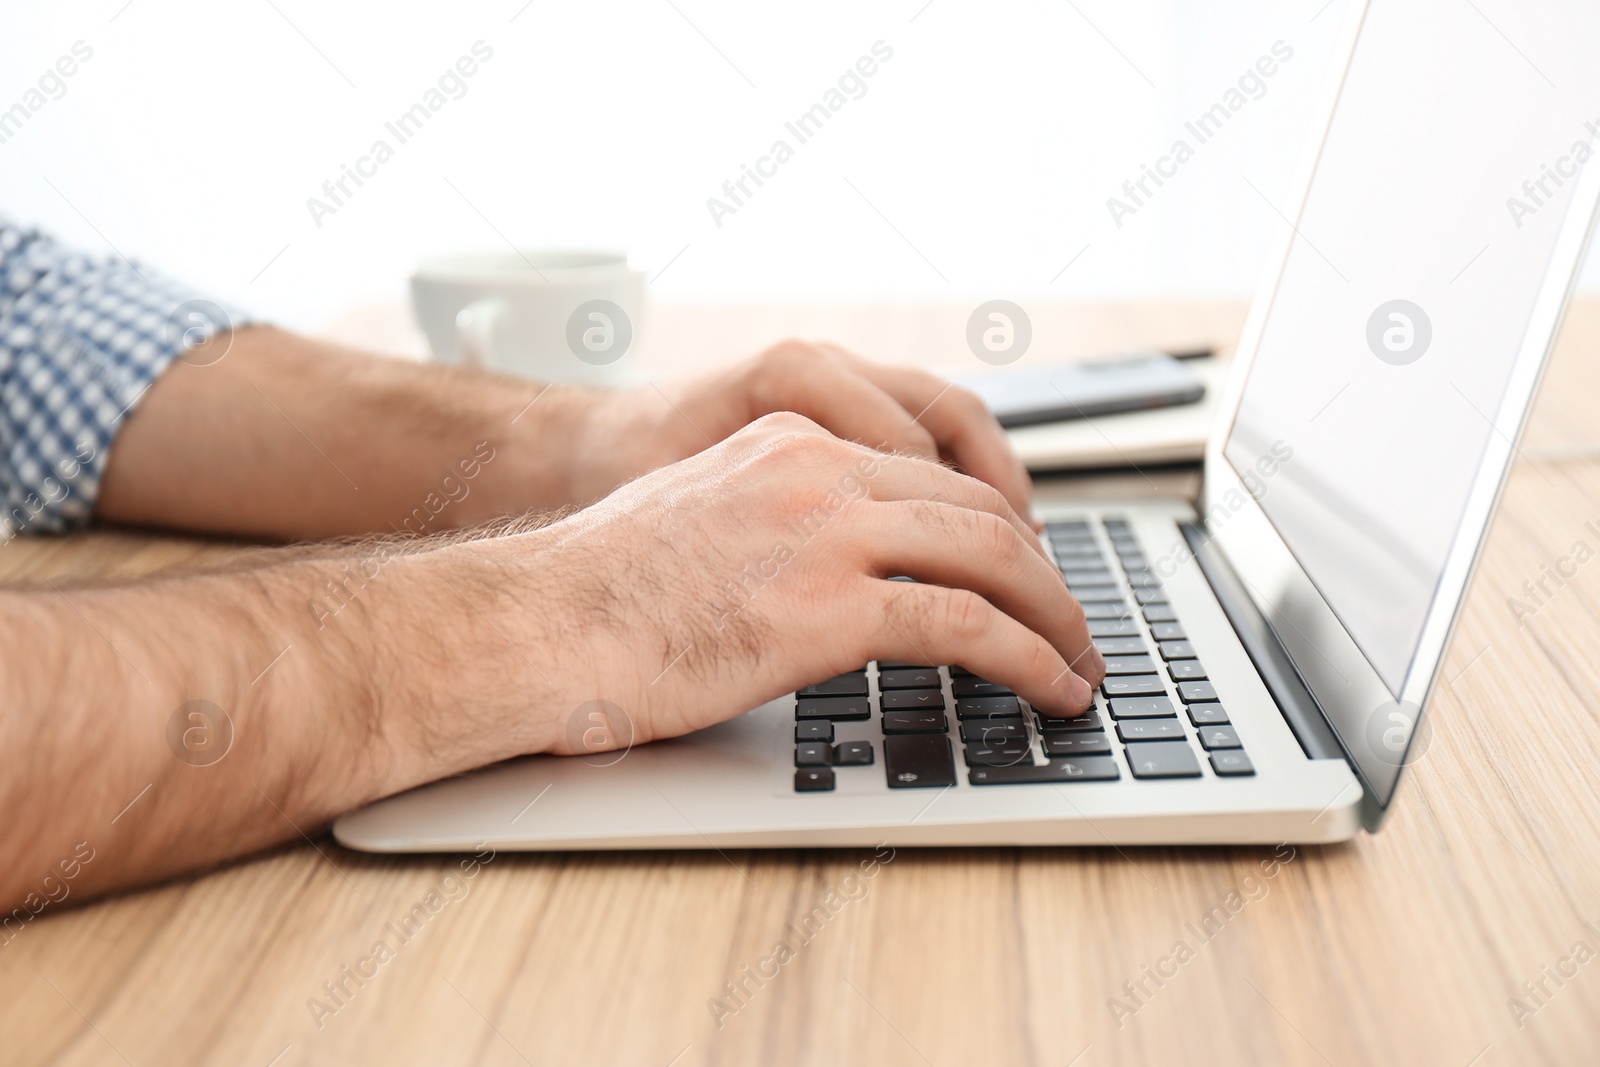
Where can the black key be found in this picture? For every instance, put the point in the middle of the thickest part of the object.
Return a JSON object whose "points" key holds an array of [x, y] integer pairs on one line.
{"points": [[897, 665], [1064, 769], [1113, 628], [911, 700], [1133, 561], [1143, 579], [853, 684], [1141, 708], [908, 678], [1119, 646], [1175, 649], [1162, 759], [1150, 595], [959, 672], [1078, 578], [812, 754], [1083, 743], [1232, 763], [1077, 553], [813, 730], [1004, 755], [1187, 670], [1070, 533], [974, 686], [1089, 720], [988, 708], [1129, 665], [813, 780], [1218, 737], [915, 722], [993, 731], [1134, 685], [1096, 594], [1149, 730], [853, 754], [1106, 610], [1168, 631], [1159, 613], [918, 761], [1196, 692], [1208, 715], [1123, 542], [839, 709]]}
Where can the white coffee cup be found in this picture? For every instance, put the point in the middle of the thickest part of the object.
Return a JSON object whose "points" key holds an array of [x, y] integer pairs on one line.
{"points": [[556, 316]]}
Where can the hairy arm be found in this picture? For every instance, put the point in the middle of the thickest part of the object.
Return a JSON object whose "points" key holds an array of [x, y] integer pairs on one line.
{"points": [[334, 675], [173, 722], [291, 438]]}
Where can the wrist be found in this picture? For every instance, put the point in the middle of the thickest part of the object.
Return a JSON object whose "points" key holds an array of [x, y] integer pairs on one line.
{"points": [[540, 448], [476, 656]]}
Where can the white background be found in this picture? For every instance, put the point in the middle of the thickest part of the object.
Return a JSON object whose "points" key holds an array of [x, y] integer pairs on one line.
{"points": [[990, 142]]}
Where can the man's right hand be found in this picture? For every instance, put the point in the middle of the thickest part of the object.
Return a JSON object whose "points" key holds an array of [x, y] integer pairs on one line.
{"points": [[330, 677], [760, 565]]}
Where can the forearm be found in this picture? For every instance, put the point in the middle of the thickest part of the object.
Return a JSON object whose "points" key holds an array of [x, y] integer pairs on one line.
{"points": [[343, 676], [291, 438]]}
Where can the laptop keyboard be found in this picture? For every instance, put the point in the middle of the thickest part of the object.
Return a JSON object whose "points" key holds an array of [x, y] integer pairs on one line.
{"points": [[918, 736]]}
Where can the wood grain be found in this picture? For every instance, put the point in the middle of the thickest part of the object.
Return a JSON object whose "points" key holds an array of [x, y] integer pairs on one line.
{"points": [[1398, 948]]}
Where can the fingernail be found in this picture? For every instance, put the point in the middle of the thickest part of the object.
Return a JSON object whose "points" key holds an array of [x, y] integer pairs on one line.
{"points": [[1098, 659], [1082, 695]]}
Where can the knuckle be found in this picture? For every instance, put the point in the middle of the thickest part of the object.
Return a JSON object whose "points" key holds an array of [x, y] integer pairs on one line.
{"points": [[1039, 660], [1075, 616], [995, 538], [988, 498], [905, 612], [967, 402], [796, 461], [964, 614], [787, 355], [780, 427]]}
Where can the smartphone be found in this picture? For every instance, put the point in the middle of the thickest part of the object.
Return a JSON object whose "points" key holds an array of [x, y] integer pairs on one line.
{"points": [[1057, 392]]}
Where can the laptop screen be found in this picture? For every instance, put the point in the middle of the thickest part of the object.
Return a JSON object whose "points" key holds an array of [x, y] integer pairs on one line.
{"points": [[1440, 191]]}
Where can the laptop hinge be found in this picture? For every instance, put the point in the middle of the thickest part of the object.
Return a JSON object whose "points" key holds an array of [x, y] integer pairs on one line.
{"points": [[1295, 702]]}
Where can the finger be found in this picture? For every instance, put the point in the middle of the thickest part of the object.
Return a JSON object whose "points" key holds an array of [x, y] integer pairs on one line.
{"points": [[958, 420], [821, 387], [904, 478], [936, 625], [951, 546]]}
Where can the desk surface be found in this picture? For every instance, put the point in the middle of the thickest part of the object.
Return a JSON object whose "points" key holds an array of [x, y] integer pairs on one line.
{"points": [[1399, 948]]}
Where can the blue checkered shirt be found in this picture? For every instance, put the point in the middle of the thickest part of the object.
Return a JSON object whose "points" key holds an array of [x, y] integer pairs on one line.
{"points": [[81, 339]]}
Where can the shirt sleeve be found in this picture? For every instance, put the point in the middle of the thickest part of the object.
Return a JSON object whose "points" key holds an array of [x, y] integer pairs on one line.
{"points": [[81, 340]]}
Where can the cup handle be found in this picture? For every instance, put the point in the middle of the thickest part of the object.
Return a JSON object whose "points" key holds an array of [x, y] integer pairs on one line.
{"points": [[475, 330]]}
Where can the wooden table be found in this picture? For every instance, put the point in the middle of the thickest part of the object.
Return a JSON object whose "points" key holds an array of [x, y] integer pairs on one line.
{"points": [[1401, 948]]}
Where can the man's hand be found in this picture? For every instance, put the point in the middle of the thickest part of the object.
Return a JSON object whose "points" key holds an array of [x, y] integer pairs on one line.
{"points": [[347, 673], [762, 564], [893, 409], [292, 438]]}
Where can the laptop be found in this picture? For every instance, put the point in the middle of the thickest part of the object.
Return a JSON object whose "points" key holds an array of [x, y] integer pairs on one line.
{"points": [[1270, 650]]}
